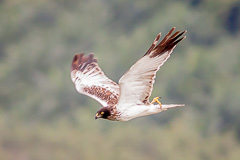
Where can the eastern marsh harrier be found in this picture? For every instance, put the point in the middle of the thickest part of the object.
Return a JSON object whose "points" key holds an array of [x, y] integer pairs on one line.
{"points": [[130, 97]]}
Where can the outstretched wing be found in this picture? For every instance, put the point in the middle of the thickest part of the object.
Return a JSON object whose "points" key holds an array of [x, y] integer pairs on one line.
{"points": [[90, 80], [136, 85]]}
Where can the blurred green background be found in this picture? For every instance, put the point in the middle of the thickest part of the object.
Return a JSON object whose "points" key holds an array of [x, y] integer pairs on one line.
{"points": [[42, 117]]}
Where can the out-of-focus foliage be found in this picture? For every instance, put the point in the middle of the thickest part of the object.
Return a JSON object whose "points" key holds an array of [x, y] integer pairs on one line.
{"points": [[43, 117]]}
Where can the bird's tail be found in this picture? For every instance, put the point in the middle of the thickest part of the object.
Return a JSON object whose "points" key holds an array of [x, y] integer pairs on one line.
{"points": [[167, 106]]}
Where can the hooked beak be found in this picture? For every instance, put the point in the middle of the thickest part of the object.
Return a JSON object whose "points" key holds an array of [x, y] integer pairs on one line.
{"points": [[97, 116]]}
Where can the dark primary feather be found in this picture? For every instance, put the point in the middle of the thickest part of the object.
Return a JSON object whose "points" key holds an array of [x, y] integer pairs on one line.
{"points": [[80, 62], [167, 44]]}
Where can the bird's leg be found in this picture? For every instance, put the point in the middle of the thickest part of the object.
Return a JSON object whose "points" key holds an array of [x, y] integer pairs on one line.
{"points": [[156, 100]]}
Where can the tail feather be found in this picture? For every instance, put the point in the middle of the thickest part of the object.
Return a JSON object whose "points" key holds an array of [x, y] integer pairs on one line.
{"points": [[167, 106]]}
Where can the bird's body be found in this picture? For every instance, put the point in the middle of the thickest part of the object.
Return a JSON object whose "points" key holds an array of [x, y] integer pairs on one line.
{"points": [[129, 99], [134, 111], [139, 111]]}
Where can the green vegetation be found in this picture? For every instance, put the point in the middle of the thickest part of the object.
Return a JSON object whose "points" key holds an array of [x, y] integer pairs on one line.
{"points": [[43, 117]]}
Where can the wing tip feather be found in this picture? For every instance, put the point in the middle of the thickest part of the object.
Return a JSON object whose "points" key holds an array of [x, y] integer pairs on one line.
{"points": [[81, 61], [167, 44]]}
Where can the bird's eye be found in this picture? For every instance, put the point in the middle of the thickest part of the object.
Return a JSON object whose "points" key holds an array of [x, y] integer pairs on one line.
{"points": [[102, 112]]}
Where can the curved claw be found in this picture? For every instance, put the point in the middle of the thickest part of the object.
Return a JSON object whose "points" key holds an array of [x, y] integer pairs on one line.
{"points": [[156, 100]]}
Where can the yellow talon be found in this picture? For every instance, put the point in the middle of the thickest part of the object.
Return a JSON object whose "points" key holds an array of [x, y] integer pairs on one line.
{"points": [[156, 100]]}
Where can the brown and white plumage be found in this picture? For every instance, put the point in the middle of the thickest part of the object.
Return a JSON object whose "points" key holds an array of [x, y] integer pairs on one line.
{"points": [[90, 80], [129, 99]]}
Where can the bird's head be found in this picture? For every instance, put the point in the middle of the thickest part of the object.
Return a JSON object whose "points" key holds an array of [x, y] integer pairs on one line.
{"points": [[103, 112]]}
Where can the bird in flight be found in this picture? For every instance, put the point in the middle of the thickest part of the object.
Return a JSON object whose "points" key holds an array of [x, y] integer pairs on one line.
{"points": [[130, 97]]}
